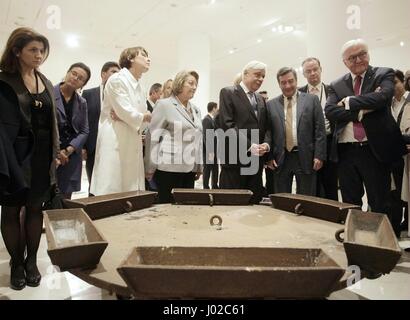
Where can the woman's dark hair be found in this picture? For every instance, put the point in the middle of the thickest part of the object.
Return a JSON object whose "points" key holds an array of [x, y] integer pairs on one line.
{"points": [[400, 75], [82, 66], [18, 39]]}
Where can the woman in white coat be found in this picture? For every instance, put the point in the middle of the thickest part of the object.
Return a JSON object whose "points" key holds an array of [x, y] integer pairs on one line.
{"points": [[119, 165]]}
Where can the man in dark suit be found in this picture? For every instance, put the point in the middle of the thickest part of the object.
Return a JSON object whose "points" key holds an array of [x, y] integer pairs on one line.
{"points": [[246, 137], [327, 183], [94, 98], [210, 159], [154, 95], [366, 138], [298, 136]]}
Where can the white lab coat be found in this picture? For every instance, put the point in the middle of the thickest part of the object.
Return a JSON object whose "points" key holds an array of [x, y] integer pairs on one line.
{"points": [[119, 165]]}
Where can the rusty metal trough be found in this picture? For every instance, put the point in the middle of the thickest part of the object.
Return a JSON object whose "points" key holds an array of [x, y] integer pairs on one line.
{"points": [[73, 240], [110, 205], [179, 272]]}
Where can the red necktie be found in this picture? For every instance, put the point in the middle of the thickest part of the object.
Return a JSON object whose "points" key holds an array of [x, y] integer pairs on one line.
{"points": [[358, 130]]}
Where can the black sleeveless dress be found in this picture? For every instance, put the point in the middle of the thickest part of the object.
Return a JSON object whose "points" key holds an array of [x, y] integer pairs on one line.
{"points": [[42, 155]]}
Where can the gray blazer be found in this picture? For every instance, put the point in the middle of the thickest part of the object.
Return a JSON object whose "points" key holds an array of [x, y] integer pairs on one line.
{"points": [[310, 129], [174, 141]]}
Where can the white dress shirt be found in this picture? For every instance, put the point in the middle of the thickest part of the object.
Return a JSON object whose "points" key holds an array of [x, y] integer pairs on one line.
{"points": [[320, 92], [397, 106]]}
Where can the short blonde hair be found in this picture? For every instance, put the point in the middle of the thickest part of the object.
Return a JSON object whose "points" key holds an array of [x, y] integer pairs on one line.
{"points": [[128, 54], [180, 80]]}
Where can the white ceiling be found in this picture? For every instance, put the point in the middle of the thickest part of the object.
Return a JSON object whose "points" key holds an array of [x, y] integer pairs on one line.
{"points": [[110, 26]]}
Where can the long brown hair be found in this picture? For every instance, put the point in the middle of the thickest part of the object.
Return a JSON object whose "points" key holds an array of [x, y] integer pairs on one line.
{"points": [[18, 39]]}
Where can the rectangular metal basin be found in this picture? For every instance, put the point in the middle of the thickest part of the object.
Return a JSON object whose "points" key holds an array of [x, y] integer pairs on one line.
{"points": [[370, 242], [113, 204], [212, 197], [73, 240], [314, 207], [178, 272]]}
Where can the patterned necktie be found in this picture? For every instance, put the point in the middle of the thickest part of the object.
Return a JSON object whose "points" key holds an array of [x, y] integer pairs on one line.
{"points": [[315, 91], [253, 102], [358, 129], [289, 126]]}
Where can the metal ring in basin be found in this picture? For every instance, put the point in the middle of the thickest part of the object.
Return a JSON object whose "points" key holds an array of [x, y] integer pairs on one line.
{"points": [[128, 207], [299, 209], [338, 235], [219, 219]]}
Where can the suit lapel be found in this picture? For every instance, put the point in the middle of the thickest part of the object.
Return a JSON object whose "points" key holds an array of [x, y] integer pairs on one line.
{"points": [[349, 84], [281, 112], [59, 102], [366, 88], [244, 97], [300, 107], [183, 112]]}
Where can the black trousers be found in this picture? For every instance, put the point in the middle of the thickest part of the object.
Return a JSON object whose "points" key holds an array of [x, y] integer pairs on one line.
{"points": [[305, 182], [166, 181], [211, 172], [396, 205], [359, 168], [327, 179], [231, 178], [270, 182], [89, 167]]}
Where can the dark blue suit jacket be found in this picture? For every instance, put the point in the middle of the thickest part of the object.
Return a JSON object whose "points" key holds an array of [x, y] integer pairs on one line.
{"points": [[92, 96]]}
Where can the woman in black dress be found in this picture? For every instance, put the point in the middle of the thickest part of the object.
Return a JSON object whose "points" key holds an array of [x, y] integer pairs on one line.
{"points": [[29, 137]]}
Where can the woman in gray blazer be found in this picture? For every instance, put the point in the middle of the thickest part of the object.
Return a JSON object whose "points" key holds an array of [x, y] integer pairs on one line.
{"points": [[174, 139]]}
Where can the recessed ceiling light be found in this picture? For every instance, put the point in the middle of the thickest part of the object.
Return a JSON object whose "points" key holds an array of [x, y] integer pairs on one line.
{"points": [[289, 29], [274, 29], [259, 40], [211, 2], [72, 41], [402, 44]]}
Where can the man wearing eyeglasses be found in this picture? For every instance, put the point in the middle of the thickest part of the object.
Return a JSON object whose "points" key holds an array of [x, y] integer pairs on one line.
{"points": [[366, 138]]}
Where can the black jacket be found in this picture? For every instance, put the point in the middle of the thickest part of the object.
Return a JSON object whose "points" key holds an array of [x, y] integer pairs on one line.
{"points": [[383, 133], [237, 116], [17, 139]]}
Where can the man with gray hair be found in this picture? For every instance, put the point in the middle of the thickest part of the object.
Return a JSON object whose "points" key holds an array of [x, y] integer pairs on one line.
{"points": [[366, 139], [243, 113]]}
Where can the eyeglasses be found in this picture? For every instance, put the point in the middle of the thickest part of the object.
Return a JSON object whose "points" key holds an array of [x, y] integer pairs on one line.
{"points": [[76, 75], [361, 55]]}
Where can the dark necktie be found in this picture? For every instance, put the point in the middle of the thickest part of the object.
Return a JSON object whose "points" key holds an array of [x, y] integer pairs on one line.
{"points": [[254, 103], [358, 129]]}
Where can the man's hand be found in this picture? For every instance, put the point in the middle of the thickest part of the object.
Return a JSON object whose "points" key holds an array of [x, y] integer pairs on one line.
{"points": [[317, 164], [341, 103], [259, 150], [272, 165]]}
